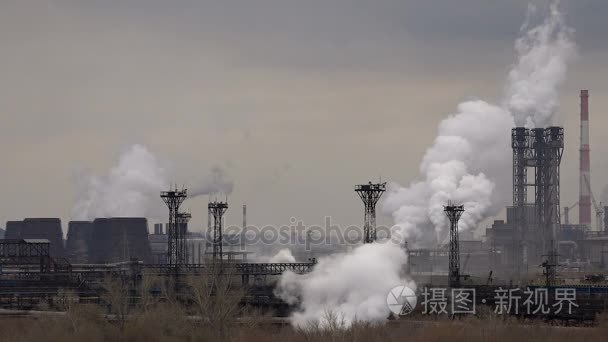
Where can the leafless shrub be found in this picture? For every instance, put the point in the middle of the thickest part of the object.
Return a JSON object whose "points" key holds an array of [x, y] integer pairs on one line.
{"points": [[216, 296], [116, 295], [162, 322], [147, 300]]}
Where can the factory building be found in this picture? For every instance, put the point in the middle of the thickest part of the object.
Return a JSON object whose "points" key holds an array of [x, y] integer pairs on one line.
{"points": [[38, 228]]}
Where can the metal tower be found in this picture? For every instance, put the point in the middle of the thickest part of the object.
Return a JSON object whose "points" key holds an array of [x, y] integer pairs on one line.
{"points": [[182, 224], [176, 241], [549, 148], [217, 210], [520, 142], [370, 194], [244, 231], [540, 149], [454, 212]]}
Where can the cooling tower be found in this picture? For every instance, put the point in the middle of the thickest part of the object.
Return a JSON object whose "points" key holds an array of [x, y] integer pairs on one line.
{"points": [[13, 229], [120, 239], [78, 243], [38, 228]]}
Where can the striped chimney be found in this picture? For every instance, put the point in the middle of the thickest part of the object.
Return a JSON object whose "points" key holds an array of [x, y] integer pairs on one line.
{"points": [[584, 200]]}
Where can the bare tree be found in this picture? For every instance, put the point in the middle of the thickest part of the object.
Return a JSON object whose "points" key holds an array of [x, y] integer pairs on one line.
{"points": [[147, 299], [217, 295], [116, 295]]}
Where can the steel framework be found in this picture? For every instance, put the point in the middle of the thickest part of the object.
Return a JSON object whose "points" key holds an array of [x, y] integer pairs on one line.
{"points": [[549, 148], [453, 212], [370, 194], [30, 256], [176, 241], [217, 210], [182, 224], [523, 157], [542, 150], [250, 269]]}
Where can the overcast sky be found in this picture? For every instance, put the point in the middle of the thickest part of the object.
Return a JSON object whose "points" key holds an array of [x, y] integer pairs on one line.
{"points": [[298, 100]]}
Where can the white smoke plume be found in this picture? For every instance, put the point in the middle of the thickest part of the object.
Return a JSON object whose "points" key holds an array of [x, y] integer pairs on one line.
{"points": [[543, 54], [283, 255], [217, 182], [353, 286], [131, 188], [469, 162]]}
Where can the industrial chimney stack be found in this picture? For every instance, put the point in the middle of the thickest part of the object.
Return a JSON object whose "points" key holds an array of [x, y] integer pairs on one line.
{"points": [[584, 201]]}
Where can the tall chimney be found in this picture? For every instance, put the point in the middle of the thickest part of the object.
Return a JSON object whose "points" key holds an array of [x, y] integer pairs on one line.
{"points": [[584, 200], [244, 227]]}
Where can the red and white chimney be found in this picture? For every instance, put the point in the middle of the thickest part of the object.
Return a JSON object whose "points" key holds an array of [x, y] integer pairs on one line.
{"points": [[584, 200]]}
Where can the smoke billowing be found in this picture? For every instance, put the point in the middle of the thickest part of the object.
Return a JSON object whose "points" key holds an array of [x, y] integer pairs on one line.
{"points": [[131, 188], [283, 255], [353, 286], [543, 54], [217, 182], [469, 162]]}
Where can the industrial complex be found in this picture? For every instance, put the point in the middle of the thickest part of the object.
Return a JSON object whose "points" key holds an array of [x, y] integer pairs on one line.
{"points": [[535, 245]]}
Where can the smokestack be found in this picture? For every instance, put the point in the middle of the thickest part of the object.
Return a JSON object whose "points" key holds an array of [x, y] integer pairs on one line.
{"points": [[606, 219], [584, 200], [244, 227]]}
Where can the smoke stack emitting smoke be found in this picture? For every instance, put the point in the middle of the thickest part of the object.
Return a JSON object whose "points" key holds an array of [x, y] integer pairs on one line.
{"points": [[133, 186], [469, 163]]}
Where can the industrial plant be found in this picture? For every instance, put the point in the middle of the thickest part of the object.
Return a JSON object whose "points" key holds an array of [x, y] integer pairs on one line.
{"points": [[536, 245], [472, 225]]}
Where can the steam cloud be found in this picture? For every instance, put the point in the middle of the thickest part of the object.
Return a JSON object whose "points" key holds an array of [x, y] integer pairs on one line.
{"points": [[353, 286], [283, 255], [216, 182], [131, 188], [469, 162]]}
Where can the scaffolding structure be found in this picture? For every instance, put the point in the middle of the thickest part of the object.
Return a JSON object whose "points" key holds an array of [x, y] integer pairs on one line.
{"points": [[454, 212], [176, 238], [182, 223], [549, 148], [370, 194], [535, 226], [217, 210], [523, 156]]}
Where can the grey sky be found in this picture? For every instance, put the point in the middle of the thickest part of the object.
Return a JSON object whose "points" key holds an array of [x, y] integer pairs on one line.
{"points": [[299, 100]]}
